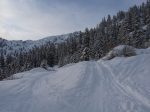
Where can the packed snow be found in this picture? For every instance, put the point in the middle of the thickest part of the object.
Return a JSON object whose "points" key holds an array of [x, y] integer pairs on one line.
{"points": [[118, 85]]}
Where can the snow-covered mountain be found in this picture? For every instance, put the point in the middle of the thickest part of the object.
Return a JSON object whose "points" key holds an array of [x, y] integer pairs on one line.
{"points": [[118, 85], [9, 47]]}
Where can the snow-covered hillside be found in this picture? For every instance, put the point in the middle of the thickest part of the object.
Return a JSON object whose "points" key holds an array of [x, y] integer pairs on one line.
{"points": [[13, 46], [117, 85]]}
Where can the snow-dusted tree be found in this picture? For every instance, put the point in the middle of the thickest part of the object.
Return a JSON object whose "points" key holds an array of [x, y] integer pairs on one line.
{"points": [[85, 54], [2, 67], [44, 64]]}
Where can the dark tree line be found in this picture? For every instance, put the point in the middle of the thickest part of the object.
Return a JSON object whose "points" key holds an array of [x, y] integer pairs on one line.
{"points": [[128, 28]]}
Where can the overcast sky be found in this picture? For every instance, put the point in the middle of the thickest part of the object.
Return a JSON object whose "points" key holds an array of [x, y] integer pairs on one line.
{"points": [[35, 19]]}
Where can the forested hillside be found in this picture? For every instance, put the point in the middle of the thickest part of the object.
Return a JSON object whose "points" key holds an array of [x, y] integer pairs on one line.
{"points": [[128, 28]]}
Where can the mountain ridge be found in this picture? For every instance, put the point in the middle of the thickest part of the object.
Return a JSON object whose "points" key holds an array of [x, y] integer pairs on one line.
{"points": [[12, 46]]}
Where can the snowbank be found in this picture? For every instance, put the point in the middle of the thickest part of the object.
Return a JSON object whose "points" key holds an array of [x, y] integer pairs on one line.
{"points": [[120, 51], [28, 73], [142, 51], [125, 51]]}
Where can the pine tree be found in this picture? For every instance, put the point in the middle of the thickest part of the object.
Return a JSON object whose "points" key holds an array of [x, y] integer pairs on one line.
{"points": [[86, 37], [2, 67]]}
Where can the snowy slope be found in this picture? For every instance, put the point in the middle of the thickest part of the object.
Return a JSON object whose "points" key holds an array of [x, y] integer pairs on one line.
{"points": [[13, 46], [118, 85]]}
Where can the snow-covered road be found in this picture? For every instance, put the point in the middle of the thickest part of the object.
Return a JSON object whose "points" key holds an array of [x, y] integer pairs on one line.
{"points": [[119, 85]]}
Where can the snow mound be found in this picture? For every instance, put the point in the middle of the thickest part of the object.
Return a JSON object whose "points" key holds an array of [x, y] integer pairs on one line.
{"points": [[142, 51], [125, 51], [27, 73], [120, 51], [117, 85]]}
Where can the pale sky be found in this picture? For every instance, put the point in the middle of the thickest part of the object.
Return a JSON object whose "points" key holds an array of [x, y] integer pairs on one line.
{"points": [[35, 19]]}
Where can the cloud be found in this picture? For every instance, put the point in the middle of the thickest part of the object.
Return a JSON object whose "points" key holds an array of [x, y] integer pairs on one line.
{"points": [[23, 20], [34, 19]]}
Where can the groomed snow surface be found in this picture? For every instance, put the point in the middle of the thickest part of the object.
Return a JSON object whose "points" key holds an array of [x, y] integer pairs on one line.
{"points": [[117, 85]]}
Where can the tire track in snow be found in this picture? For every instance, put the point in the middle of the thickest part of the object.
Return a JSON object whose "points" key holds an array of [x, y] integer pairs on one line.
{"points": [[130, 91]]}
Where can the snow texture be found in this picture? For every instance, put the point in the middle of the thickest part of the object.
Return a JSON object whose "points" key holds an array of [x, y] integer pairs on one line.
{"points": [[118, 85]]}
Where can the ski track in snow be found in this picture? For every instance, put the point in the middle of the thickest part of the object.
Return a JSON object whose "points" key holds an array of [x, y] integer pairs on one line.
{"points": [[127, 89], [83, 87]]}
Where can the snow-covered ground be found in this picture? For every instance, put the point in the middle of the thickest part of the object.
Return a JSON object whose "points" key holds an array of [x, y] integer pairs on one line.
{"points": [[117, 85]]}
